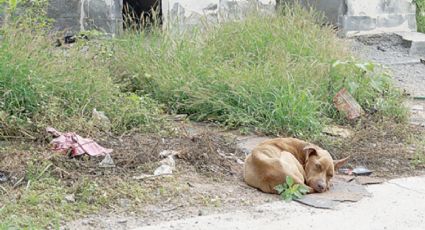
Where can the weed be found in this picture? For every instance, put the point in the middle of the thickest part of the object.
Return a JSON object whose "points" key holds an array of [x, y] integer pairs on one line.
{"points": [[268, 72], [420, 14], [289, 191]]}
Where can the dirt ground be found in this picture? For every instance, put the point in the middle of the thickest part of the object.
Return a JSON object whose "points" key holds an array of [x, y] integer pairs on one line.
{"points": [[208, 176]]}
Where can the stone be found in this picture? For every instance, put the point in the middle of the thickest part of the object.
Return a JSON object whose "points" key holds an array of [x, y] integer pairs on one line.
{"points": [[163, 170], [70, 198]]}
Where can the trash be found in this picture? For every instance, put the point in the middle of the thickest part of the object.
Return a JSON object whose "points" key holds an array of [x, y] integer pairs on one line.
{"points": [[167, 153], [70, 198], [358, 171], [362, 171], [101, 120], [4, 176], [75, 144], [345, 171], [107, 162], [169, 161], [163, 170], [346, 104], [337, 131]]}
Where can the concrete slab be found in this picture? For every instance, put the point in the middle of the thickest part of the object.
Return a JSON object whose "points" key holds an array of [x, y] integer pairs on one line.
{"points": [[396, 204], [416, 42]]}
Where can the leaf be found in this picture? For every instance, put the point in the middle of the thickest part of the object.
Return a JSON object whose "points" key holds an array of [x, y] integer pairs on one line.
{"points": [[298, 194], [303, 189], [279, 188], [289, 181]]}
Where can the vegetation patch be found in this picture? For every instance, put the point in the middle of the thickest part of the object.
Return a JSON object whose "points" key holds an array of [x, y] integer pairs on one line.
{"points": [[275, 74], [420, 15]]}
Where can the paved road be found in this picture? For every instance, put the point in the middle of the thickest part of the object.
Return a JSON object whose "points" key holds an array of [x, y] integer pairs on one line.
{"points": [[395, 205]]}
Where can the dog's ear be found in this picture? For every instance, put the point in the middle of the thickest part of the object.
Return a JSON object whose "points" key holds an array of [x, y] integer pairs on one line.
{"points": [[310, 150], [339, 163]]}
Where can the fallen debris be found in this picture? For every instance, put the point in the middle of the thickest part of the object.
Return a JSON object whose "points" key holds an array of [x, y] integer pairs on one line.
{"points": [[345, 103], [75, 145], [167, 153], [341, 191], [361, 171], [358, 171], [107, 162], [337, 131]]}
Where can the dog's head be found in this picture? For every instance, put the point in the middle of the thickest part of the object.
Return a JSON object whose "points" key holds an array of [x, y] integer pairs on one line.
{"points": [[320, 167]]}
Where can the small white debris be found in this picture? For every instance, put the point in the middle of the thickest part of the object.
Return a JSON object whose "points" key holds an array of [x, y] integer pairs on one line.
{"points": [[107, 162]]}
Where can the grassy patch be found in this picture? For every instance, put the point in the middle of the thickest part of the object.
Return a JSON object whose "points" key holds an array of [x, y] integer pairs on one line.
{"points": [[43, 85], [273, 73]]}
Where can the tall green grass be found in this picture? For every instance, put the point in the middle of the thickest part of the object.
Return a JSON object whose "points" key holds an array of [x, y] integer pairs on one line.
{"points": [[42, 85], [268, 72]]}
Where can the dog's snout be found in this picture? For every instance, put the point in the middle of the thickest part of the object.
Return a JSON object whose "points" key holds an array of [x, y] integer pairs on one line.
{"points": [[321, 187]]}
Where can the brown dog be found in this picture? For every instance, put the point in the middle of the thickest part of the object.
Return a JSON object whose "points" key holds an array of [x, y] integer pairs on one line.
{"points": [[272, 160]]}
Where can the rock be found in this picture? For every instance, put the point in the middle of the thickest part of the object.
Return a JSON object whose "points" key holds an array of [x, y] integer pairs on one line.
{"points": [[346, 104], [107, 162], [163, 170], [70, 198], [101, 120]]}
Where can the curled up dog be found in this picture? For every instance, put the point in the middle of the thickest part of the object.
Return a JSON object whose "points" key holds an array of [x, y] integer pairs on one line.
{"points": [[271, 161]]}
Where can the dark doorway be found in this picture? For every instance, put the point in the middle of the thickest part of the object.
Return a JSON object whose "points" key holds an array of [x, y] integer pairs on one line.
{"points": [[141, 14]]}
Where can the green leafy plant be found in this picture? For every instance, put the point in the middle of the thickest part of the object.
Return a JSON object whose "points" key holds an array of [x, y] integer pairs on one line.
{"points": [[289, 190]]}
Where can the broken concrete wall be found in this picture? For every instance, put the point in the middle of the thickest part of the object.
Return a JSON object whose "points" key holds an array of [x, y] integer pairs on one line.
{"points": [[357, 17], [80, 15], [182, 14], [106, 15]]}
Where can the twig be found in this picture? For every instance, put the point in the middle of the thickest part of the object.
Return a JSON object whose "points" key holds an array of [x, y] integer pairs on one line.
{"points": [[44, 170], [17, 183], [172, 209], [4, 189], [28, 185]]}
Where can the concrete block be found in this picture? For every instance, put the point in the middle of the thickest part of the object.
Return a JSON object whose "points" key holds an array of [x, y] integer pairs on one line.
{"points": [[416, 42], [398, 6], [64, 9], [371, 8], [392, 20], [359, 23], [110, 26]]}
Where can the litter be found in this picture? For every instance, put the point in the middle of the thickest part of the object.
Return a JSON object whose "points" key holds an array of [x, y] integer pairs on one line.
{"points": [[359, 171], [362, 171], [166, 153], [346, 104], [75, 144], [4, 176], [107, 162]]}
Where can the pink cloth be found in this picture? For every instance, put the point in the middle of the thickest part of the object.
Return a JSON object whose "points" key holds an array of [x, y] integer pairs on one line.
{"points": [[78, 145]]}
